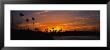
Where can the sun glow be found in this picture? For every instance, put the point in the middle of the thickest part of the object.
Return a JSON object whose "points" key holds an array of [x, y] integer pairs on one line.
{"points": [[56, 27], [57, 21]]}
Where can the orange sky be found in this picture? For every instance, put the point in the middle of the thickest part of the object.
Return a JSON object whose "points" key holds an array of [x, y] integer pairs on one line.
{"points": [[65, 20]]}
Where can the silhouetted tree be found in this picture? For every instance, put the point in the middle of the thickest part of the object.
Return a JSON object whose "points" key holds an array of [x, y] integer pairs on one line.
{"points": [[60, 30], [27, 20], [52, 28], [55, 31], [36, 29], [21, 14], [33, 19]]}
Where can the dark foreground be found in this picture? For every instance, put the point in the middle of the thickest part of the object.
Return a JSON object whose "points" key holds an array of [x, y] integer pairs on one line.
{"points": [[76, 35]]}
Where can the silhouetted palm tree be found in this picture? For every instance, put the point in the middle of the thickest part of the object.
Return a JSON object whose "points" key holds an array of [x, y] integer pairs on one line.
{"points": [[21, 14], [27, 20], [33, 19]]}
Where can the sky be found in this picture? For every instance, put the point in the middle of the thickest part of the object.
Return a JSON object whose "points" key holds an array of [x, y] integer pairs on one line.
{"points": [[74, 17]]}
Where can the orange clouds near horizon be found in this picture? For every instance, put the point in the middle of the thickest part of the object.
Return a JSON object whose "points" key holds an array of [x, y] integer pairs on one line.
{"points": [[57, 20], [50, 27]]}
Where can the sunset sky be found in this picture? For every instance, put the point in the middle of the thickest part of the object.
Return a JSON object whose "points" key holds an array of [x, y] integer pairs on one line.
{"points": [[64, 19]]}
